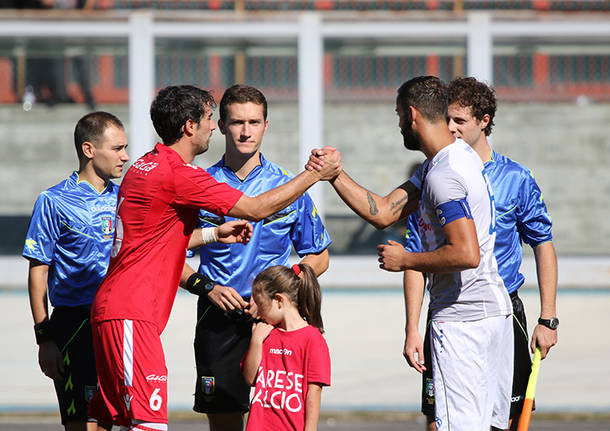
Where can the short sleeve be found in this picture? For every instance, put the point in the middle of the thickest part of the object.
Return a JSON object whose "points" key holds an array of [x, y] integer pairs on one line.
{"points": [[417, 179], [444, 188], [308, 234], [43, 231], [318, 361], [533, 220], [196, 188]]}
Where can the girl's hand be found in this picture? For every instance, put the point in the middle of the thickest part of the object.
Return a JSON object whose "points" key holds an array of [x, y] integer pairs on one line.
{"points": [[252, 309], [260, 331]]}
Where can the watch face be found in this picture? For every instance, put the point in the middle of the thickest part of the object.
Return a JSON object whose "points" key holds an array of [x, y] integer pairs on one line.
{"points": [[209, 286], [550, 323], [554, 323]]}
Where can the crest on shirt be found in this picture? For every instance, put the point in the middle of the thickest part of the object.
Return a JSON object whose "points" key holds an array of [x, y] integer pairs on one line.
{"points": [[107, 225]]}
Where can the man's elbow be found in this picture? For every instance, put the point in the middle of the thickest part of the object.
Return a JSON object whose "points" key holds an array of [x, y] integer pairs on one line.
{"points": [[248, 209], [471, 258], [252, 216], [323, 263], [380, 222]]}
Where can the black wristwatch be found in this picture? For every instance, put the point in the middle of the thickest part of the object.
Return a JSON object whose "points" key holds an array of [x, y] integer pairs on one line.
{"points": [[209, 286], [199, 284], [551, 323]]}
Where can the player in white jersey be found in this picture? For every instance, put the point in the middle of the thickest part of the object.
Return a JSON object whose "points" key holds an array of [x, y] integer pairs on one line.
{"points": [[472, 367], [454, 187]]}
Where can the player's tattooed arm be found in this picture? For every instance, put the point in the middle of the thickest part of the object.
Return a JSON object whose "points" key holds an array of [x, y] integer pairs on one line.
{"points": [[379, 211], [406, 204], [398, 205], [372, 205]]}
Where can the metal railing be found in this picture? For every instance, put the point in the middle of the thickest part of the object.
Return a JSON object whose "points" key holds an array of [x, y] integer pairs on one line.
{"points": [[308, 31]]}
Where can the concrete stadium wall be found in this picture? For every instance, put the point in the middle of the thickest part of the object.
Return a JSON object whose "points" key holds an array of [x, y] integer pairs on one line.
{"points": [[566, 145]]}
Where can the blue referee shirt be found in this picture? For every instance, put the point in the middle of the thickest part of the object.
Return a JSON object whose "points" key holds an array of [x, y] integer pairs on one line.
{"points": [[71, 230], [521, 216], [297, 225]]}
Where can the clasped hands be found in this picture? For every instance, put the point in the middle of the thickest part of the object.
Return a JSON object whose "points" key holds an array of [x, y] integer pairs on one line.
{"points": [[326, 162]]}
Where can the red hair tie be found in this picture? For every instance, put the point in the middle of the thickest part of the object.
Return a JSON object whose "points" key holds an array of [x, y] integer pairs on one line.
{"points": [[297, 269]]}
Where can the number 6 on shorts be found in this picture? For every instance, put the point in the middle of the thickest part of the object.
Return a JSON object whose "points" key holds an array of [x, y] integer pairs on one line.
{"points": [[155, 401]]}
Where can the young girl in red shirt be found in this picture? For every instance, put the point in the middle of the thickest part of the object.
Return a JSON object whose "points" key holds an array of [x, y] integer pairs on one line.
{"points": [[288, 361]]}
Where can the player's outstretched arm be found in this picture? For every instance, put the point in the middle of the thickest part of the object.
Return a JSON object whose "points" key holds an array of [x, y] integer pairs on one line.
{"points": [[253, 357], [231, 232], [270, 202], [379, 211], [413, 351], [546, 268], [49, 356]]}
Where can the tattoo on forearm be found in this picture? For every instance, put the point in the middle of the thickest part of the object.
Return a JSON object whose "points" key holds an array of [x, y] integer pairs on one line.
{"points": [[372, 206], [399, 204]]}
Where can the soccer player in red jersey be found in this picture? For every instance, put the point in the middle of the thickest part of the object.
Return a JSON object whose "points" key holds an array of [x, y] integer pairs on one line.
{"points": [[157, 209]]}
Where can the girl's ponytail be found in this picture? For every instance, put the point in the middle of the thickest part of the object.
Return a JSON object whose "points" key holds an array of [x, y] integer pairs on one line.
{"points": [[309, 296]]}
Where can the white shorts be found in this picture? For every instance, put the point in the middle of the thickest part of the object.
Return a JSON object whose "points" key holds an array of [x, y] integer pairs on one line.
{"points": [[472, 367]]}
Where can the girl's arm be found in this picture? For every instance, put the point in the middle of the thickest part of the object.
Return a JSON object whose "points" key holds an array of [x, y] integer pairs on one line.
{"points": [[253, 357], [312, 406]]}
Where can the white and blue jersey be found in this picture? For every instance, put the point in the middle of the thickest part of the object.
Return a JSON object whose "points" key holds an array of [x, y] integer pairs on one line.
{"points": [[71, 230], [298, 225], [521, 216], [454, 185]]}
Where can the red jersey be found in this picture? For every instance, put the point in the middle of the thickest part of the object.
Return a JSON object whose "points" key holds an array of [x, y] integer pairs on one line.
{"points": [[157, 208], [290, 361]]}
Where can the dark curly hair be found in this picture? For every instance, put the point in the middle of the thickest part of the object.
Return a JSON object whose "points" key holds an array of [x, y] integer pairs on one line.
{"points": [[174, 106], [468, 92]]}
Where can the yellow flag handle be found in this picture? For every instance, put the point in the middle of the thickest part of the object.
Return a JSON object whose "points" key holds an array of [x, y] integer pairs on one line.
{"points": [[528, 403]]}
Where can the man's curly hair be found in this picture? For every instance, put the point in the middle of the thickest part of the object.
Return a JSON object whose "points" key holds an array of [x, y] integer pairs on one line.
{"points": [[480, 98]]}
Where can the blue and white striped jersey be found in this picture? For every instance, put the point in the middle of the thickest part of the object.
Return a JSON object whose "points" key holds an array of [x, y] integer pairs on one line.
{"points": [[71, 230], [297, 225]]}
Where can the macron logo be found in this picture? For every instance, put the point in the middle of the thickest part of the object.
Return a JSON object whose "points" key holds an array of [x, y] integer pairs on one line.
{"points": [[284, 351]]}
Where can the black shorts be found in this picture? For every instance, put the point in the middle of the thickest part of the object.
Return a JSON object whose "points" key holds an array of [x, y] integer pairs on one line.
{"points": [[427, 389], [521, 368], [73, 337], [221, 342], [523, 364]]}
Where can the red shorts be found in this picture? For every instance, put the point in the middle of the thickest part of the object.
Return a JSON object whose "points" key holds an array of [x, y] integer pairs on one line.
{"points": [[131, 371]]}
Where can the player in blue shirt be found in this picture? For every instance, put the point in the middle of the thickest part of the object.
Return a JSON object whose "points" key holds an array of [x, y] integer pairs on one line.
{"points": [[68, 245], [224, 325], [521, 216]]}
